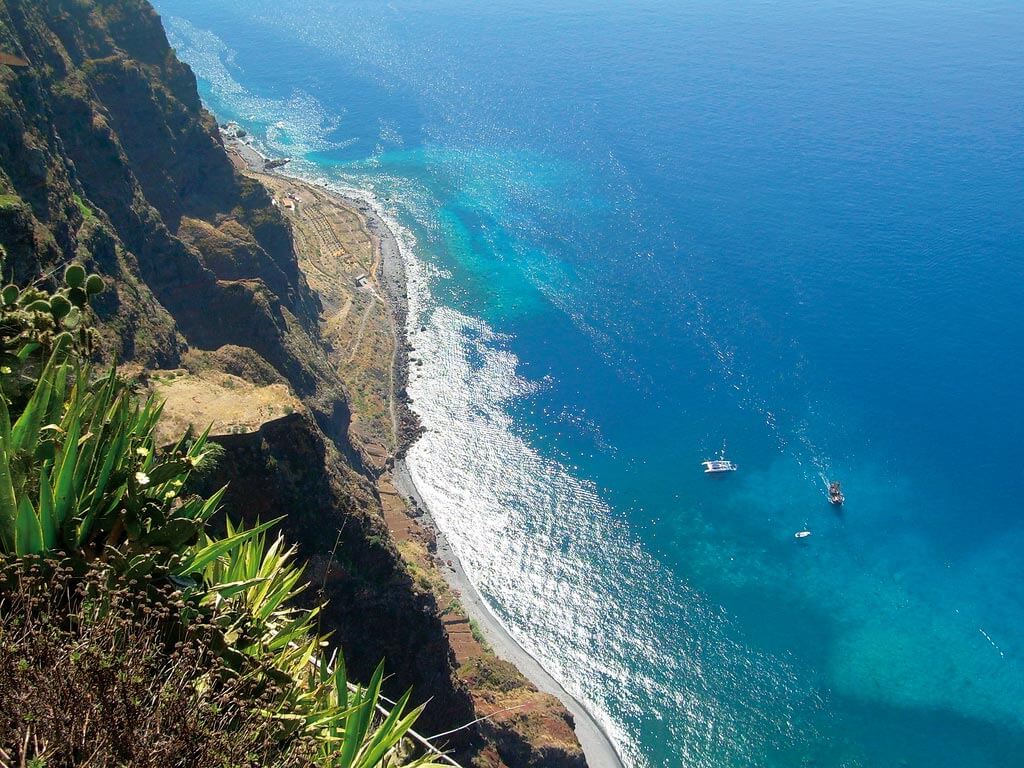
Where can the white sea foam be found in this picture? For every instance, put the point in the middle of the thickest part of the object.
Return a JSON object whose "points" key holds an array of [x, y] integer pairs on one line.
{"points": [[295, 125], [563, 575]]}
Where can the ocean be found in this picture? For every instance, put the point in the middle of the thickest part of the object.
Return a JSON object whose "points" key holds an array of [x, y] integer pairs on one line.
{"points": [[641, 232]]}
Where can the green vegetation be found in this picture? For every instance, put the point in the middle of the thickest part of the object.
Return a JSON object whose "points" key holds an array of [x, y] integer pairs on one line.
{"points": [[163, 643], [478, 634], [102, 661], [491, 673], [428, 579], [10, 202], [85, 209]]}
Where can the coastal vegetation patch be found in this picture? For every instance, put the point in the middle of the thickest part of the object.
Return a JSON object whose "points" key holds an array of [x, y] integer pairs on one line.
{"points": [[166, 642]]}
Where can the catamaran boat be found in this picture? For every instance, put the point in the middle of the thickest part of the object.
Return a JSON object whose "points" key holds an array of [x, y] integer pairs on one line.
{"points": [[835, 494], [713, 466]]}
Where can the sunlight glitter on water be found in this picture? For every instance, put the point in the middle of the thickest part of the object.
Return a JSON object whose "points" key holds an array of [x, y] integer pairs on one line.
{"points": [[558, 569]]}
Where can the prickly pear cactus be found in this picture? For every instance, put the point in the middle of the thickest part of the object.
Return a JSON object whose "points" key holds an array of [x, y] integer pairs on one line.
{"points": [[74, 275], [31, 318]]}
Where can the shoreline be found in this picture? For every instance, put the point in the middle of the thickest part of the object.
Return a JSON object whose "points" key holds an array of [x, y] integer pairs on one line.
{"points": [[597, 747]]}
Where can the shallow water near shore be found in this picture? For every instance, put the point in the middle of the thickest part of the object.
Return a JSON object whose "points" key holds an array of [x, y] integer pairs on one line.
{"points": [[640, 231]]}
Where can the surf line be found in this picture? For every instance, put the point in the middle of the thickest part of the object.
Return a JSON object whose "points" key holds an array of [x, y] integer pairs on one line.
{"points": [[993, 642]]}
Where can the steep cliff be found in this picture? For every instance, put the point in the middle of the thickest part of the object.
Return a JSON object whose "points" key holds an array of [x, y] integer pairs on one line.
{"points": [[108, 157], [106, 154], [371, 608]]}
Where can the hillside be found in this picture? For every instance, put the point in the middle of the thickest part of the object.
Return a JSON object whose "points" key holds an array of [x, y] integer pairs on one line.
{"points": [[108, 157]]}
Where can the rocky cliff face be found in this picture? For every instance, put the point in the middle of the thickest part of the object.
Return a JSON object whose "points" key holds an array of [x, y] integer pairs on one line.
{"points": [[372, 608], [107, 157]]}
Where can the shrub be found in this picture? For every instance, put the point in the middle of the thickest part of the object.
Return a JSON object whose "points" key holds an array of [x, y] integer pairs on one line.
{"points": [[84, 209], [95, 671]]}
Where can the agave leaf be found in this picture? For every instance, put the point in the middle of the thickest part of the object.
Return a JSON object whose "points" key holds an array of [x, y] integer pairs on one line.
{"points": [[283, 590], [114, 454], [28, 537], [25, 431], [107, 392], [8, 502], [388, 734], [107, 447], [200, 558], [60, 386], [211, 504], [341, 682], [5, 418], [357, 724], [48, 522], [280, 640], [199, 444], [64, 488], [27, 350], [229, 589]]}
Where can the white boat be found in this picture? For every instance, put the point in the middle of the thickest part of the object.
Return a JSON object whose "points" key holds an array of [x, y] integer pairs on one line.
{"points": [[801, 534], [713, 466]]}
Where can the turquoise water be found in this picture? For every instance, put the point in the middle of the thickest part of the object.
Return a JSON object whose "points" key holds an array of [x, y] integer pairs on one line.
{"points": [[638, 230]]}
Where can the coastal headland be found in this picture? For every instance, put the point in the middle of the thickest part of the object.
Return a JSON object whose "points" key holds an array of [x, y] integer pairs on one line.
{"points": [[353, 260]]}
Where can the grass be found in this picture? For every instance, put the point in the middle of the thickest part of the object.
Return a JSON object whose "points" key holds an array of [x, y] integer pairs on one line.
{"points": [[85, 209], [10, 202], [427, 578], [419, 576], [478, 634]]}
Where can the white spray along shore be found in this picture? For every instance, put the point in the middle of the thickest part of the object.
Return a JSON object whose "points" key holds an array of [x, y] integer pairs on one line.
{"points": [[397, 254]]}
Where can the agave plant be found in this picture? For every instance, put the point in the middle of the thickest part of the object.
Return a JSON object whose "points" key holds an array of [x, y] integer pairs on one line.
{"points": [[79, 471], [264, 579], [356, 731], [251, 589]]}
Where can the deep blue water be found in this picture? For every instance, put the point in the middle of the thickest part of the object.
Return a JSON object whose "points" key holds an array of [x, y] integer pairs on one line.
{"points": [[638, 230]]}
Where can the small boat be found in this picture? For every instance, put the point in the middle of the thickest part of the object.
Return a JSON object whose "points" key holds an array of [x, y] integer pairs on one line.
{"points": [[721, 464], [801, 534], [835, 494], [713, 466]]}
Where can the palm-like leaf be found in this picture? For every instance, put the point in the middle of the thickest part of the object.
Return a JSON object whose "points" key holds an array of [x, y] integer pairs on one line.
{"points": [[357, 732]]}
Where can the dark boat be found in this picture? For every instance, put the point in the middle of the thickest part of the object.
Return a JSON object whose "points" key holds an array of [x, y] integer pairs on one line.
{"points": [[835, 494]]}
